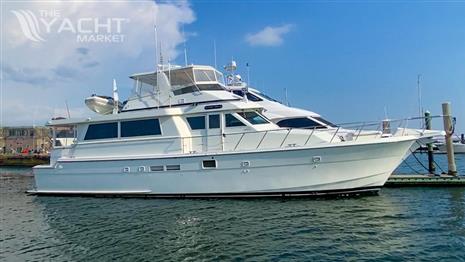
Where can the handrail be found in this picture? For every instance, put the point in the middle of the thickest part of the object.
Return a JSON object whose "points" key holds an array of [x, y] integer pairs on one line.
{"points": [[261, 140], [311, 134], [342, 131], [335, 133], [284, 140]]}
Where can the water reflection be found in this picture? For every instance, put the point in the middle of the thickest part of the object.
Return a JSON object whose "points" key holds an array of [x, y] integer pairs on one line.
{"points": [[399, 224]]}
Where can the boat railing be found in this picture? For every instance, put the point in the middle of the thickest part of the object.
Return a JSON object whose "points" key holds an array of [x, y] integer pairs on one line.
{"points": [[295, 137], [277, 138]]}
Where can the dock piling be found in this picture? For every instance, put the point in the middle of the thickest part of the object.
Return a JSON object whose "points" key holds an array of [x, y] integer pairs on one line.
{"points": [[447, 118], [428, 125]]}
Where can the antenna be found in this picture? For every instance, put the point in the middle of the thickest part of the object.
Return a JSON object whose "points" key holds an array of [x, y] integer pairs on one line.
{"points": [[248, 73], [185, 49], [420, 109], [214, 51], [156, 48], [67, 108], [115, 98], [285, 97], [161, 58]]}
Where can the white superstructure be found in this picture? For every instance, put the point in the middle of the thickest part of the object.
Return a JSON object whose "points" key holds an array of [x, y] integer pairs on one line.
{"points": [[182, 134]]}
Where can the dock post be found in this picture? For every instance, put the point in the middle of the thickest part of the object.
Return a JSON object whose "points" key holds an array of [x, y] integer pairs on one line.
{"points": [[428, 125], [447, 117]]}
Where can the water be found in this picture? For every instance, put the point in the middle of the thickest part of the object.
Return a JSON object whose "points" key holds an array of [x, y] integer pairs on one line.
{"points": [[399, 224]]}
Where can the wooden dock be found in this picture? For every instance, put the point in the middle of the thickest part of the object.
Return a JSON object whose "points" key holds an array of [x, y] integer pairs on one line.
{"points": [[424, 180]]}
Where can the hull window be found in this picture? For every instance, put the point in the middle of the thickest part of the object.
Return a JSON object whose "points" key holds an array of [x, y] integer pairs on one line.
{"points": [[146, 127], [102, 131], [156, 169], [196, 122], [173, 167]]}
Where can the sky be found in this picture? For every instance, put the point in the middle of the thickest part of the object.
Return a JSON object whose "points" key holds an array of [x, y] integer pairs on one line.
{"points": [[348, 61]]}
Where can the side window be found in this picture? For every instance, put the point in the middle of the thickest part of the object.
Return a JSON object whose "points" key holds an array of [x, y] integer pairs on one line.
{"points": [[238, 92], [302, 122], [196, 122], [232, 121], [213, 121], [102, 131], [253, 97], [145, 127]]}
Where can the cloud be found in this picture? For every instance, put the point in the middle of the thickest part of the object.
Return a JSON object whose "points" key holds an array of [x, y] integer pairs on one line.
{"points": [[45, 73], [32, 76], [82, 50], [65, 71], [269, 36]]}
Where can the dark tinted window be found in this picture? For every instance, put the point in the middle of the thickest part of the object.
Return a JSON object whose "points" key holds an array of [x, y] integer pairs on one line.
{"points": [[232, 121], [214, 121], [250, 96], [101, 131], [196, 122], [302, 122], [253, 118], [209, 163], [147, 127]]}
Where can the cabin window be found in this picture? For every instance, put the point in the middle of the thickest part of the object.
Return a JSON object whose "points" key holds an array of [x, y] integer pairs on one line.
{"points": [[208, 164], [232, 121], [102, 131], [213, 121], [146, 127], [301, 122], [181, 77], [196, 122], [219, 77], [253, 118], [204, 75]]}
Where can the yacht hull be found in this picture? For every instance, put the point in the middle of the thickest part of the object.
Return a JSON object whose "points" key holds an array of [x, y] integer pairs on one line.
{"points": [[330, 170]]}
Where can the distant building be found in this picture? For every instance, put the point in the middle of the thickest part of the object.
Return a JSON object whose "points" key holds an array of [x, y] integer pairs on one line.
{"points": [[24, 140]]}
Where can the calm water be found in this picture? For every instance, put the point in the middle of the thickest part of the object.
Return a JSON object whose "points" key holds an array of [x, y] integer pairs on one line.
{"points": [[399, 224]]}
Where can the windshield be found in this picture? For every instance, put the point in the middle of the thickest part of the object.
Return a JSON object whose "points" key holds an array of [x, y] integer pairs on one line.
{"points": [[253, 118], [324, 121], [265, 96]]}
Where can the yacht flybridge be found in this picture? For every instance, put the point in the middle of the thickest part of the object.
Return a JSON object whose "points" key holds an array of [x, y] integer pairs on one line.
{"points": [[182, 133]]}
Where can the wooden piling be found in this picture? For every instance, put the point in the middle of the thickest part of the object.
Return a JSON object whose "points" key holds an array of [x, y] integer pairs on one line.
{"points": [[447, 117], [428, 125]]}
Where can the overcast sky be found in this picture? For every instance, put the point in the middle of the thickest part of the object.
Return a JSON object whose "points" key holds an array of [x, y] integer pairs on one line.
{"points": [[346, 61]]}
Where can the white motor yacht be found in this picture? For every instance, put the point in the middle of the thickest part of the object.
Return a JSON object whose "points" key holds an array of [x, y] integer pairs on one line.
{"points": [[181, 134]]}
